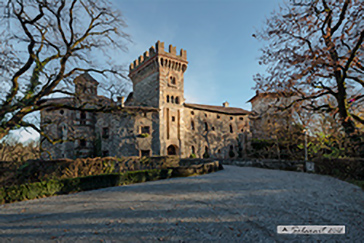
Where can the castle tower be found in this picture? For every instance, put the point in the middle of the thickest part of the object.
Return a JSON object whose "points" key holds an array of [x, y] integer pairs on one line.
{"points": [[158, 81], [84, 122]]}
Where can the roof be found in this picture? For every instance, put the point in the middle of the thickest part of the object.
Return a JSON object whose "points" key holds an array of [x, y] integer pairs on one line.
{"points": [[271, 95], [141, 108], [87, 77], [129, 99], [58, 100], [219, 109]]}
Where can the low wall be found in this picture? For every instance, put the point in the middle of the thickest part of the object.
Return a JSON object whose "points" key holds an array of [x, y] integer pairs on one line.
{"points": [[274, 164]]}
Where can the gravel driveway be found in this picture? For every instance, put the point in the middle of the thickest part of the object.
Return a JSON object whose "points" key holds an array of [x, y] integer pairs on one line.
{"points": [[238, 204]]}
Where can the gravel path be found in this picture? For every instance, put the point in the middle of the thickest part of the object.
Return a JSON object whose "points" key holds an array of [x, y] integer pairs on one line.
{"points": [[238, 204]]}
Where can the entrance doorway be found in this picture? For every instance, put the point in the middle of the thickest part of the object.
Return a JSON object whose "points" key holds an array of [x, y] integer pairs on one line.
{"points": [[172, 150]]}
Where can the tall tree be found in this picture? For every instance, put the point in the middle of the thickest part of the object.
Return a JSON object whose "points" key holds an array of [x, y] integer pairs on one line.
{"points": [[316, 50], [44, 44]]}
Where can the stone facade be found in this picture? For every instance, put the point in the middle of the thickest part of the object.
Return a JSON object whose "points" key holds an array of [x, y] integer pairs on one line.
{"points": [[154, 119], [266, 119]]}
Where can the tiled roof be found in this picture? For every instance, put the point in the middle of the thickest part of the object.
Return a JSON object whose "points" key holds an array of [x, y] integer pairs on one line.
{"points": [[87, 77], [271, 95], [65, 100], [220, 109]]}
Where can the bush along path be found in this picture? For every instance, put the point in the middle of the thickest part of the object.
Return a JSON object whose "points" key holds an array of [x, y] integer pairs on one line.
{"points": [[70, 185]]}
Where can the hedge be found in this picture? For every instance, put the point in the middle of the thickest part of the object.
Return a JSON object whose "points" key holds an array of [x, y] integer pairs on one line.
{"points": [[65, 186], [69, 185]]}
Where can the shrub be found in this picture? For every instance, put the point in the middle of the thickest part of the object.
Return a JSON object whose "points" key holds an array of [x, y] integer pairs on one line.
{"points": [[193, 156]]}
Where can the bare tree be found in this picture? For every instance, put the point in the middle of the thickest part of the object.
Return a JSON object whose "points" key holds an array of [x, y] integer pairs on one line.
{"points": [[45, 44], [316, 51]]}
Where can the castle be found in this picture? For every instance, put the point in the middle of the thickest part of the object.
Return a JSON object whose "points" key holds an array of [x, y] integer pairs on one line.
{"points": [[153, 120]]}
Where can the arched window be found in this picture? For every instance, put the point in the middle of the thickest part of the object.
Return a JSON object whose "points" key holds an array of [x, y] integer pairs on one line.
{"points": [[206, 127], [231, 129], [192, 149], [231, 152], [206, 154], [177, 100], [172, 80], [192, 125], [167, 98], [172, 99]]}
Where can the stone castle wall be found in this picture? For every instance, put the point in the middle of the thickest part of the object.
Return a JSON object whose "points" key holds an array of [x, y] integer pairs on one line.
{"points": [[218, 138]]}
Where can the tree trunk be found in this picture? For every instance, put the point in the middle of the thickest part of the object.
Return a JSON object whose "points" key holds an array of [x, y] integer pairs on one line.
{"points": [[346, 120]]}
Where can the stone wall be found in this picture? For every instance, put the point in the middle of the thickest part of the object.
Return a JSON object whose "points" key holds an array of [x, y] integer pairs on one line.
{"points": [[126, 137], [218, 138], [269, 120], [268, 164]]}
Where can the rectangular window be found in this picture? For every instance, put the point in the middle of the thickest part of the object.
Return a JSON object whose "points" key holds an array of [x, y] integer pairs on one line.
{"points": [[173, 118], [105, 132], [83, 118], [145, 130], [105, 153], [82, 143], [145, 153]]}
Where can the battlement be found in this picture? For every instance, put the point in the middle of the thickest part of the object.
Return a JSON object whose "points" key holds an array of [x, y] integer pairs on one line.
{"points": [[155, 50]]}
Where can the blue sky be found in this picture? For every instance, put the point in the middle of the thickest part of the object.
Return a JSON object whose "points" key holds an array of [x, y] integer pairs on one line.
{"points": [[217, 35]]}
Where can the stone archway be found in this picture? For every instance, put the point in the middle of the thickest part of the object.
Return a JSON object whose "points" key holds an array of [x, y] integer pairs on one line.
{"points": [[172, 150]]}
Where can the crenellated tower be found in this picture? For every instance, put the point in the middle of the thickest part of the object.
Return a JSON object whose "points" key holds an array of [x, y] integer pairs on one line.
{"points": [[158, 74], [158, 81]]}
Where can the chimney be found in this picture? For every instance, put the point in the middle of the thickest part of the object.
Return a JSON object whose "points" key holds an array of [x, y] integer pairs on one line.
{"points": [[225, 104], [121, 101]]}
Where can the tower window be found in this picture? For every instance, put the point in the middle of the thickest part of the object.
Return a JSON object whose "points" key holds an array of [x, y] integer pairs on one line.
{"points": [[231, 118], [241, 118], [167, 98], [192, 149], [61, 111], [173, 118], [218, 117], [172, 99], [231, 129], [206, 127], [192, 113], [192, 125], [177, 100], [172, 80]]}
